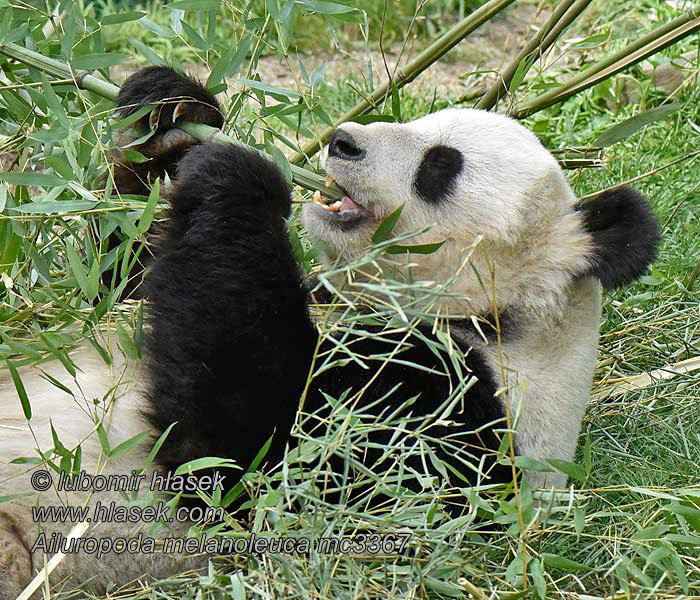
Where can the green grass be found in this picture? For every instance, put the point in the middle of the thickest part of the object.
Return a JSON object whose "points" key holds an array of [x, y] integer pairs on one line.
{"points": [[632, 523]]}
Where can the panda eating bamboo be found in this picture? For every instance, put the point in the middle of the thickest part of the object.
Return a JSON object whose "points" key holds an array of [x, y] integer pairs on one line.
{"points": [[230, 346]]}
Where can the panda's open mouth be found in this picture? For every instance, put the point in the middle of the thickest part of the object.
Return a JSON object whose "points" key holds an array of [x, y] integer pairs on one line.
{"points": [[345, 211]]}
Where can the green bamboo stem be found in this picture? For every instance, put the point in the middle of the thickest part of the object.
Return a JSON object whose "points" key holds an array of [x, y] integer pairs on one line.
{"points": [[565, 13], [427, 57], [84, 80], [653, 42], [300, 176], [580, 157]]}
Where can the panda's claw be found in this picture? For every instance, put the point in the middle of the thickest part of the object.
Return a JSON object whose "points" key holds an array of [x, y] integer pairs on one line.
{"points": [[180, 109], [153, 118]]}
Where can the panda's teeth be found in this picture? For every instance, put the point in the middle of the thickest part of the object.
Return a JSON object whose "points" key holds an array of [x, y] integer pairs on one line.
{"points": [[329, 181], [317, 198], [335, 207]]}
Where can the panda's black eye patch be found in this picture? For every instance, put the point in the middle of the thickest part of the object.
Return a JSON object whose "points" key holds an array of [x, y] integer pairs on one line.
{"points": [[437, 173]]}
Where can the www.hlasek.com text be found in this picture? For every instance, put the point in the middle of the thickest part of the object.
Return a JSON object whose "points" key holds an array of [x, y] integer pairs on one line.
{"points": [[111, 512]]}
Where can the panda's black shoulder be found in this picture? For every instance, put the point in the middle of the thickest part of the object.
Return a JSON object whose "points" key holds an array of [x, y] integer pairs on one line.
{"points": [[625, 234], [399, 364]]}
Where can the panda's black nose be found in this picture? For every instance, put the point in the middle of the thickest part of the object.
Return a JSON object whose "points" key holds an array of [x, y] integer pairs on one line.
{"points": [[342, 145]]}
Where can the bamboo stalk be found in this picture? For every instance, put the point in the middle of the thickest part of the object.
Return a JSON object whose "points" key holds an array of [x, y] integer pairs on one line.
{"points": [[653, 42], [86, 81], [642, 176], [577, 158], [564, 14], [427, 57]]}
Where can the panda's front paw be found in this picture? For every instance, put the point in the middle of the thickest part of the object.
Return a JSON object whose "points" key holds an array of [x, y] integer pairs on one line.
{"points": [[175, 97]]}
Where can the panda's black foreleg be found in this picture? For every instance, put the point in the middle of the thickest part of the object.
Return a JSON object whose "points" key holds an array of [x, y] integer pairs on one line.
{"points": [[230, 339], [173, 97]]}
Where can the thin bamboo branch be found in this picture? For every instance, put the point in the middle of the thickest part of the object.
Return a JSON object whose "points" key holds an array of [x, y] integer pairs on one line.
{"points": [[580, 157], [642, 176], [653, 42], [564, 14], [643, 380], [86, 81], [427, 57]]}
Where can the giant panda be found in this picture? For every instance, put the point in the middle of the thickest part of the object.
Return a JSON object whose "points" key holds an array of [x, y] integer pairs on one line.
{"points": [[230, 341]]}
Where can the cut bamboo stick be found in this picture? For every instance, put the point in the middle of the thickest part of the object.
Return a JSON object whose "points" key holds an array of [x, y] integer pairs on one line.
{"points": [[643, 380], [650, 44]]}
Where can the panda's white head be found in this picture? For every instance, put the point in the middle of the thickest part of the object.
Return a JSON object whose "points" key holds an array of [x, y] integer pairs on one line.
{"points": [[470, 174]]}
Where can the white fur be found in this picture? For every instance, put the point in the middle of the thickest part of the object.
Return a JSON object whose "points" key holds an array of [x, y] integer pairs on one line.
{"points": [[514, 195], [105, 394]]}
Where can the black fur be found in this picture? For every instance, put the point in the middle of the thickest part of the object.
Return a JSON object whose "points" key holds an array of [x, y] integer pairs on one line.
{"points": [[438, 172], [343, 145], [626, 235], [231, 341], [166, 87], [151, 86]]}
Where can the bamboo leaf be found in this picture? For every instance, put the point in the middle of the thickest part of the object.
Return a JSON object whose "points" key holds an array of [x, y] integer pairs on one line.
{"points": [[102, 436], [194, 5], [221, 67], [531, 464], [573, 470], [623, 130], [60, 166], [29, 178], [416, 249], [559, 562], [93, 280], [151, 56], [26, 460], [281, 161], [53, 102], [127, 343], [78, 270], [592, 41], [271, 90], [48, 207], [395, 102], [56, 383], [237, 489], [59, 354], [15, 496], [102, 60], [206, 462], [150, 209], [327, 8], [121, 18], [367, 119], [127, 445], [21, 392], [161, 440], [386, 226]]}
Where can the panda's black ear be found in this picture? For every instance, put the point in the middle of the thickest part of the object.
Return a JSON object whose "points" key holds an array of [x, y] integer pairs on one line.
{"points": [[625, 234]]}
